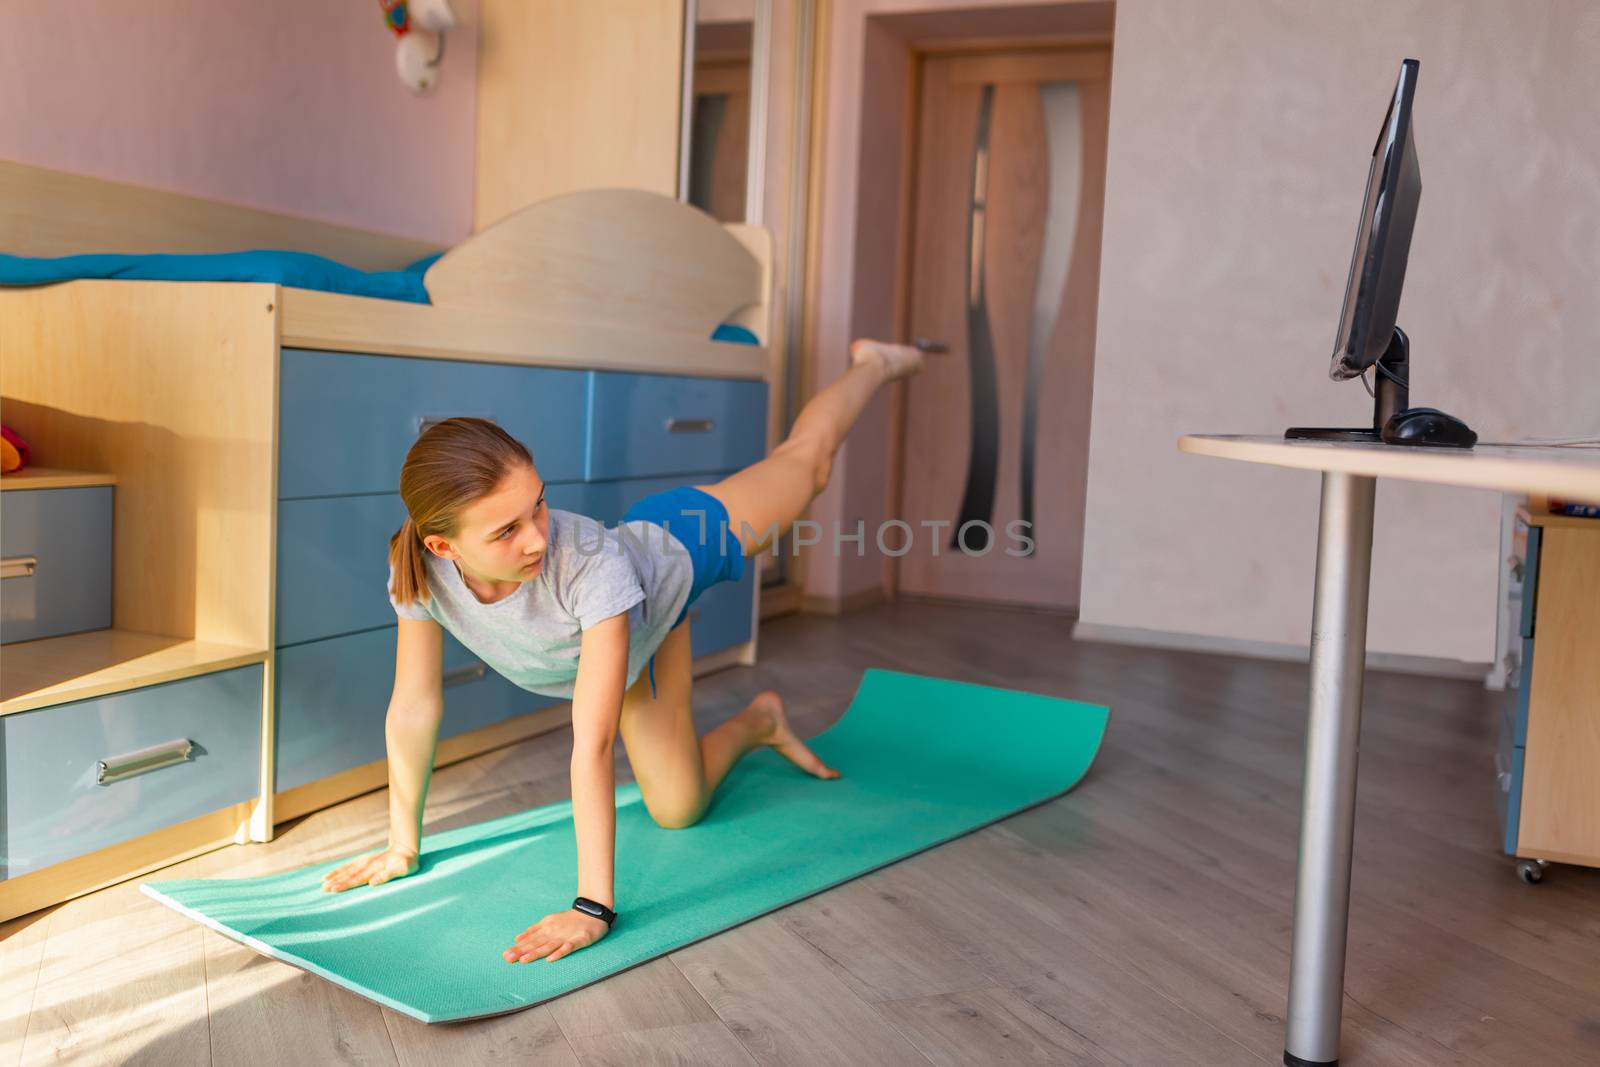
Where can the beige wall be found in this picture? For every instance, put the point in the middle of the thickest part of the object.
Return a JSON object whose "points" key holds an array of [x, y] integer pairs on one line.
{"points": [[1240, 138]]}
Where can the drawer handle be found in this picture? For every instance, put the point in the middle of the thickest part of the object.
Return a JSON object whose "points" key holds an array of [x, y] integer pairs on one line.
{"points": [[689, 425], [18, 566], [117, 768], [425, 421], [470, 673]]}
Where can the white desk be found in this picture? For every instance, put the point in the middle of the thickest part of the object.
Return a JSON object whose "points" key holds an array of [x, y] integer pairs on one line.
{"points": [[1338, 653]]}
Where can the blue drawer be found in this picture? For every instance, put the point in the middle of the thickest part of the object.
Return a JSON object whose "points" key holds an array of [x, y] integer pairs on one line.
{"points": [[346, 421], [53, 805], [333, 560], [1530, 581], [644, 425], [333, 697], [1508, 761], [67, 535], [607, 501]]}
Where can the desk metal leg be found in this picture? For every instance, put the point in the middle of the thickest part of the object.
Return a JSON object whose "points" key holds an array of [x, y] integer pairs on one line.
{"points": [[1328, 803]]}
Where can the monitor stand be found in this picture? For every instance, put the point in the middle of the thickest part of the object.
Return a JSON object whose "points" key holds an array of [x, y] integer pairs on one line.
{"points": [[1392, 396]]}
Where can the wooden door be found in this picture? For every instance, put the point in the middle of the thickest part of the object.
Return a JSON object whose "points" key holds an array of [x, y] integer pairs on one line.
{"points": [[1009, 184]]}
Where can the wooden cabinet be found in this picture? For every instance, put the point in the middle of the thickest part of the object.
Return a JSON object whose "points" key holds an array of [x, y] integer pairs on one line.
{"points": [[254, 434], [1549, 795]]}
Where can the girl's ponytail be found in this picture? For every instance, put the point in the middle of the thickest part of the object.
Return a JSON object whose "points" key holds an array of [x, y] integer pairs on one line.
{"points": [[407, 563]]}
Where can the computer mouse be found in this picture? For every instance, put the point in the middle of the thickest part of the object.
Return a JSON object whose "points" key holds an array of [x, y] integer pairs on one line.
{"points": [[1427, 426]]}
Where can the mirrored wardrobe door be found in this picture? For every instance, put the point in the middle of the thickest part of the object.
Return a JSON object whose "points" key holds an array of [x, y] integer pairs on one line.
{"points": [[748, 110], [719, 112]]}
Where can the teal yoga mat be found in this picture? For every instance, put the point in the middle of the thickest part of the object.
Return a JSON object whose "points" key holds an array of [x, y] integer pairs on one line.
{"points": [[922, 760]]}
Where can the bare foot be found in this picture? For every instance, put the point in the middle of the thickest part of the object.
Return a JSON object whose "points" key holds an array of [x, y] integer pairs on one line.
{"points": [[778, 735], [897, 361]]}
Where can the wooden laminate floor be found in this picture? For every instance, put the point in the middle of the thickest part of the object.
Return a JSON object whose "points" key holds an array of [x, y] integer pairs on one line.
{"points": [[1142, 919]]}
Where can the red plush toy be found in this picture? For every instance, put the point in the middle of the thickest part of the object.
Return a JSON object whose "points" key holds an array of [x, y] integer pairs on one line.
{"points": [[13, 451]]}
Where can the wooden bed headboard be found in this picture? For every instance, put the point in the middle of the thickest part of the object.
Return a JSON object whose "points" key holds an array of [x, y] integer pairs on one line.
{"points": [[622, 256], [606, 253], [55, 213], [625, 256]]}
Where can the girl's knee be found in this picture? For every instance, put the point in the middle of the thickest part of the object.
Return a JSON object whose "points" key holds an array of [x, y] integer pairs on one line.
{"points": [[677, 822], [678, 816]]}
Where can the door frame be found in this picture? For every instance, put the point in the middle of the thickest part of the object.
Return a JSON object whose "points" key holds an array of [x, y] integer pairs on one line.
{"points": [[839, 34], [1065, 48]]}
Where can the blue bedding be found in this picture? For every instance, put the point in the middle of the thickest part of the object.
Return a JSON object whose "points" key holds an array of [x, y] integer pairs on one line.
{"points": [[302, 270], [299, 269]]}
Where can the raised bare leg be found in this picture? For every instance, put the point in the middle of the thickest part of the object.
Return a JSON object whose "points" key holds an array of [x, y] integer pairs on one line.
{"points": [[765, 498], [677, 771]]}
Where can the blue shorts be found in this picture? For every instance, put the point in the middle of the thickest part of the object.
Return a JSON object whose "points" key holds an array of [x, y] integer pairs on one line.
{"points": [[700, 521]]}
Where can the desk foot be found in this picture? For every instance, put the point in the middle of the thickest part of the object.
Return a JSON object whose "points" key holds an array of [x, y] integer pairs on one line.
{"points": [[1328, 801], [1291, 1060]]}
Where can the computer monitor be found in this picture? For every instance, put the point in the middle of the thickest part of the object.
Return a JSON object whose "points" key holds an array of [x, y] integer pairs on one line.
{"points": [[1383, 238], [1367, 337]]}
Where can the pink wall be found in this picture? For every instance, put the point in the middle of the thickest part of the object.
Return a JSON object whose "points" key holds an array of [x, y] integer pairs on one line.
{"points": [[290, 106], [868, 50]]}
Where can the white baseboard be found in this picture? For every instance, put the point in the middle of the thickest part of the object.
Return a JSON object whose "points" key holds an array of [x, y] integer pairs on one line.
{"points": [[1400, 663]]}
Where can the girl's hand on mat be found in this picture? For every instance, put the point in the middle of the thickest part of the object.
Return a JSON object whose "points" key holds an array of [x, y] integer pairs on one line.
{"points": [[557, 934], [375, 869]]}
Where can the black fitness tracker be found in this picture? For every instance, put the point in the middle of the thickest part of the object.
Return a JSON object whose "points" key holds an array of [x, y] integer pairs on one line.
{"points": [[595, 908]]}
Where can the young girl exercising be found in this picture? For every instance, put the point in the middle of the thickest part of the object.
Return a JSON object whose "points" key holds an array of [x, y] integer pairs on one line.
{"points": [[562, 606]]}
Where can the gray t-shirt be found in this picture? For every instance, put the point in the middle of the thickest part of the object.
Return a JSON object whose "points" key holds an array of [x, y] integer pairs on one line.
{"points": [[591, 572]]}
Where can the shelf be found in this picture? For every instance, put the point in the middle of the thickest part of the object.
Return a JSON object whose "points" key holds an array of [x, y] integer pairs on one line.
{"points": [[53, 478], [56, 670]]}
